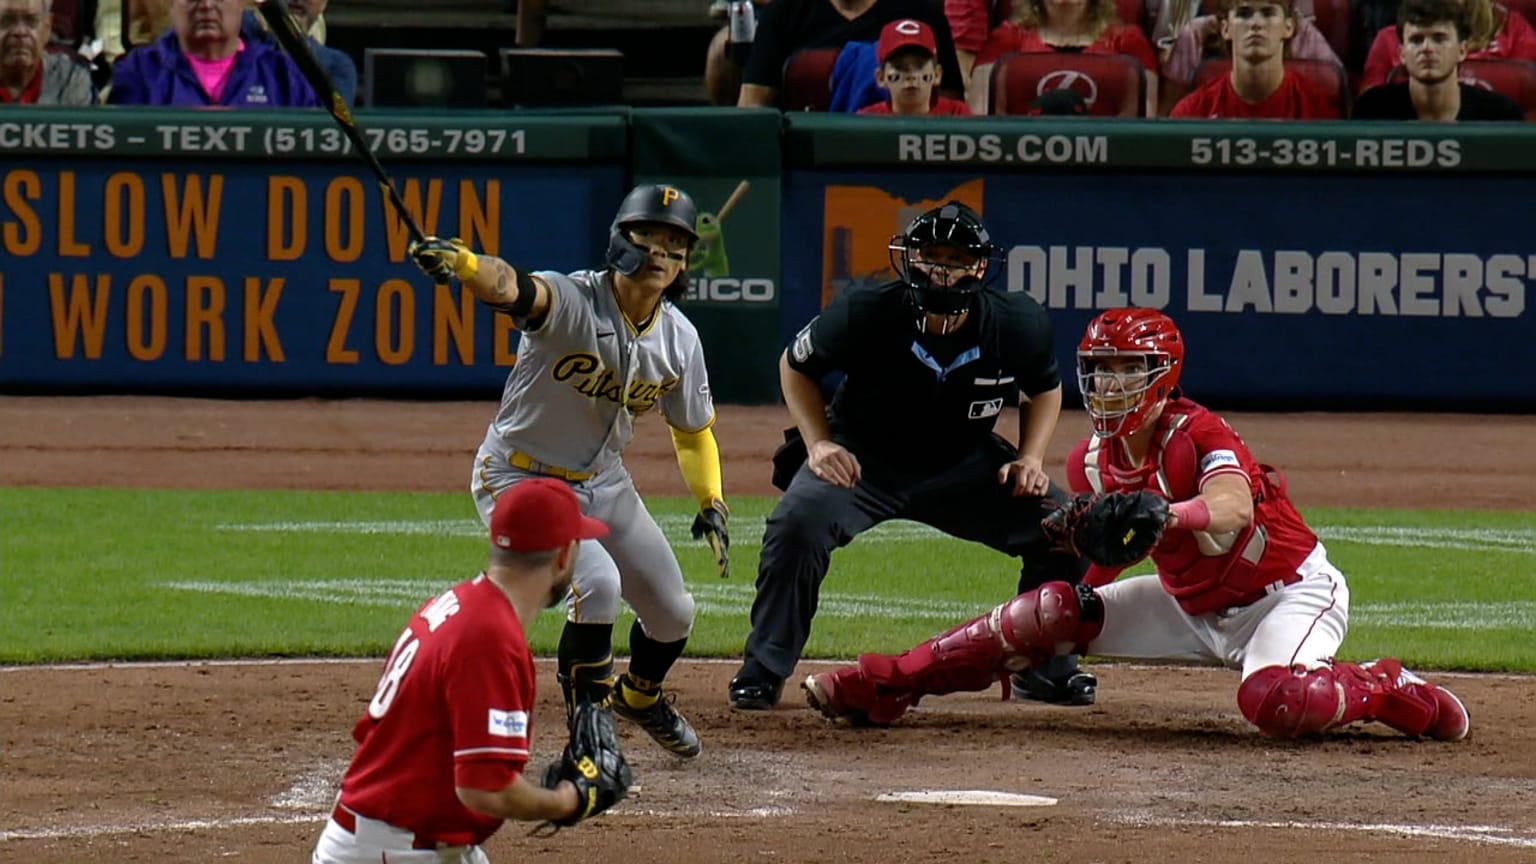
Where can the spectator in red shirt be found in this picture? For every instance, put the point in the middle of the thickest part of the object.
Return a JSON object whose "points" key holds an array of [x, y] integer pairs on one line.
{"points": [[909, 69], [1074, 27], [1259, 86], [970, 22], [1497, 34]]}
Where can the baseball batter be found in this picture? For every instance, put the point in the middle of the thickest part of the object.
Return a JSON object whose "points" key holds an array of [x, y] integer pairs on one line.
{"points": [[1240, 578], [599, 348], [443, 743]]}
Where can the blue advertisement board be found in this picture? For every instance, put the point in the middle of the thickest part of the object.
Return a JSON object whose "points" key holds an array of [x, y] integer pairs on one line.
{"points": [[1363, 291], [278, 274]]}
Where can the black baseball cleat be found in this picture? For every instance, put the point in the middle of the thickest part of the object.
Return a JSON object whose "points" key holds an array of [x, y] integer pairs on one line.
{"points": [[1077, 689], [659, 720], [755, 694]]}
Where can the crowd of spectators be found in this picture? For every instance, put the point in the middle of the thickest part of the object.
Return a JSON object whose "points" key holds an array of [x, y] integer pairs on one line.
{"points": [[189, 53], [1249, 59]]}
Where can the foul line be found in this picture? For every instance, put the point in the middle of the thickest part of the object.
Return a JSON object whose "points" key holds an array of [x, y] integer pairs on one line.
{"points": [[81, 831], [1498, 835]]}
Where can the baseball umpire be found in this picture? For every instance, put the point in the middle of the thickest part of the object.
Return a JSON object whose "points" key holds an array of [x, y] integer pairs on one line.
{"points": [[599, 348], [929, 362]]}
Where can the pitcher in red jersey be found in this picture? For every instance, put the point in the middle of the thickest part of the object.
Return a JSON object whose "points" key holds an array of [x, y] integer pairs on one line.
{"points": [[443, 745], [1240, 578]]}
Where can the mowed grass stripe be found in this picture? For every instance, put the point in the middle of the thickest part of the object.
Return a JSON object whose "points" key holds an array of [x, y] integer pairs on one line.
{"points": [[748, 532], [736, 599]]}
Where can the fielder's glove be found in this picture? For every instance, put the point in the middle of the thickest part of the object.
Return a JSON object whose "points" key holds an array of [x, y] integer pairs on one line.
{"points": [[443, 259], [1116, 529], [710, 525], [593, 762]]}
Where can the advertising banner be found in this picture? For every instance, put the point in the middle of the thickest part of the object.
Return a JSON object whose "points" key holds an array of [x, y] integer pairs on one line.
{"points": [[1365, 291]]}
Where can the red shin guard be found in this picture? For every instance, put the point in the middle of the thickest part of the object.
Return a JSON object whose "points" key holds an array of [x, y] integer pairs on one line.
{"points": [[1056, 618]]}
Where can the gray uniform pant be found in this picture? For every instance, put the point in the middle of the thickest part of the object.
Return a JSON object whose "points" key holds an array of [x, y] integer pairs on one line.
{"points": [[633, 562], [815, 517]]}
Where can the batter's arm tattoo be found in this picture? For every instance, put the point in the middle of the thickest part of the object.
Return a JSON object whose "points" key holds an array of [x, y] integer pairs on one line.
{"points": [[503, 287]]}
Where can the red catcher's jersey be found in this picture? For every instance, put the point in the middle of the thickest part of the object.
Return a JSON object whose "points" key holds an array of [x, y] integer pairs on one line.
{"points": [[1204, 572], [452, 708]]}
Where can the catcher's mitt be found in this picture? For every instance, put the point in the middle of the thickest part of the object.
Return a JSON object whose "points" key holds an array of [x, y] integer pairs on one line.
{"points": [[1116, 529], [593, 762], [710, 525]]}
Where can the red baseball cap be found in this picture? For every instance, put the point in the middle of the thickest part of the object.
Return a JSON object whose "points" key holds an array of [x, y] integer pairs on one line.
{"points": [[540, 514], [905, 33]]}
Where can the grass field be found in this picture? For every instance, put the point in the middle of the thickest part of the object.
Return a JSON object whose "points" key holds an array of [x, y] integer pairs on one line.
{"points": [[137, 574]]}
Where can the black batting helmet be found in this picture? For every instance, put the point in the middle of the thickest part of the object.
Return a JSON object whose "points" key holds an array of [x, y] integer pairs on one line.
{"points": [[952, 224], [653, 202]]}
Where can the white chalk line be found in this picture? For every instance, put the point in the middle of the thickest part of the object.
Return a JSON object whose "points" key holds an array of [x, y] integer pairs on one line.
{"points": [[1498, 835], [747, 532], [735, 599]]}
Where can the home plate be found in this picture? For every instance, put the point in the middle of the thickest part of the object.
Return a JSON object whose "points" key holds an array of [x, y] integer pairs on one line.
{"points": [[968, 796]]}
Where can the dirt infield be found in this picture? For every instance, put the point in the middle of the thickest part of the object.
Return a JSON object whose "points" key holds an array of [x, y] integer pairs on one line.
{"points": [[197, 762]]}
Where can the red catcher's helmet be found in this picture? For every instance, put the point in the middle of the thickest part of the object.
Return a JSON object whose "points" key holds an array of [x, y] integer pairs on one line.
{"points": [[1120, 401]]}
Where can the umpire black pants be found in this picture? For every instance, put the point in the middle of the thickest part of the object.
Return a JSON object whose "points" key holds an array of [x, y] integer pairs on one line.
{"points": [[815, 517]]}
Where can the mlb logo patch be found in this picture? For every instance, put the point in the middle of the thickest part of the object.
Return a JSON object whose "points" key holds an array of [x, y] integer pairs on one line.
{"points": [[508, 724], [985, 408]]}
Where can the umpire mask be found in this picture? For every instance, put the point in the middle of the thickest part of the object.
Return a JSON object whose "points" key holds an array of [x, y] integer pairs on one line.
{"points": [[945, 259]]}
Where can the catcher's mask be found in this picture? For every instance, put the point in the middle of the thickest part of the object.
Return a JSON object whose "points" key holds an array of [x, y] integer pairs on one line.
{"points": [[1128, 365], [652, 204], [945, 259]]}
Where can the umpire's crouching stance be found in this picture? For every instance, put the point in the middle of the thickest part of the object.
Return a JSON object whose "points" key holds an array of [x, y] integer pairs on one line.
{"points": [[929, 362]]}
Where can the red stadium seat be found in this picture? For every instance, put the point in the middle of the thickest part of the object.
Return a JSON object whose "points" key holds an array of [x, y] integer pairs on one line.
{"points": [[1327, 75], [1513, 78], [1113, 85], [808, 80]]}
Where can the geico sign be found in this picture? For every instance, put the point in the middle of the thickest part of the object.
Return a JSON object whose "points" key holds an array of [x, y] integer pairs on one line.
{"points": [[729, 290]]}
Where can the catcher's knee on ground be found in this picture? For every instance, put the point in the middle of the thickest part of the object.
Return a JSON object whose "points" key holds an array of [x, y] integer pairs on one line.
{"points": [[1290, 702]]}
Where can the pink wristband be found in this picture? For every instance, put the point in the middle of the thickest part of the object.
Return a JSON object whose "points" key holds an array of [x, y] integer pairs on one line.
{"points": [[1193, 515]]}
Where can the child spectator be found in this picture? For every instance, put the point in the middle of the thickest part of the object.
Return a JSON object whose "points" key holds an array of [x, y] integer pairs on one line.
{"points": [[909, 69]]}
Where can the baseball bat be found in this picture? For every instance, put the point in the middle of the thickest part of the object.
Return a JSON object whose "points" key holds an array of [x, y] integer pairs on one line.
{"points": [[297, 46], [741, 189]]}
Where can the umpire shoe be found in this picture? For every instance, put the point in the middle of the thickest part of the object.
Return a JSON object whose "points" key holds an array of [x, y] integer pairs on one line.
{"points": [[652, 710], [755, 694], [1079, 688]]}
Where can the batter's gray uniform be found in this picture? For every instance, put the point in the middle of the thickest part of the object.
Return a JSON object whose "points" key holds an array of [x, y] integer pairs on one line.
{"points": [[582, 376]]}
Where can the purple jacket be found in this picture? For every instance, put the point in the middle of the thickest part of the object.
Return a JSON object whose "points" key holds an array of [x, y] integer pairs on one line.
{"points": [[159, 74]]}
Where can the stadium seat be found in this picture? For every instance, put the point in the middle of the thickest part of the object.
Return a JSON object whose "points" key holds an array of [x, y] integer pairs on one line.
{"points": [[421, 78], [1334, 18], [548, 77], [1513, 78], [1113, 85], [1325, 74], [808, 80]]}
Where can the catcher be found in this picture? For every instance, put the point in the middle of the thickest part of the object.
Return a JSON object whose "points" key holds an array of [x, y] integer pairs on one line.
{"points": [[443, 744], [1240, 580]]}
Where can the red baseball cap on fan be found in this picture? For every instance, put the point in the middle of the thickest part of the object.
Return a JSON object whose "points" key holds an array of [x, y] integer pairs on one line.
{"points": [[905, 33], [539, 515]]}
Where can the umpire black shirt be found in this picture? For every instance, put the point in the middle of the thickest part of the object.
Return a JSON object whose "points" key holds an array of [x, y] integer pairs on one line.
{"points": [[922, 399]]}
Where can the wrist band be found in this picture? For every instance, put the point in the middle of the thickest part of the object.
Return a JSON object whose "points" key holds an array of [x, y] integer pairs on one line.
{"points": [[1193, 515], [465, 265]]}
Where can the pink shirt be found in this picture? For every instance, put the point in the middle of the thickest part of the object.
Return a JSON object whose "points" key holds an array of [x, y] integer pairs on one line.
{"points": [[214, 74]]}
